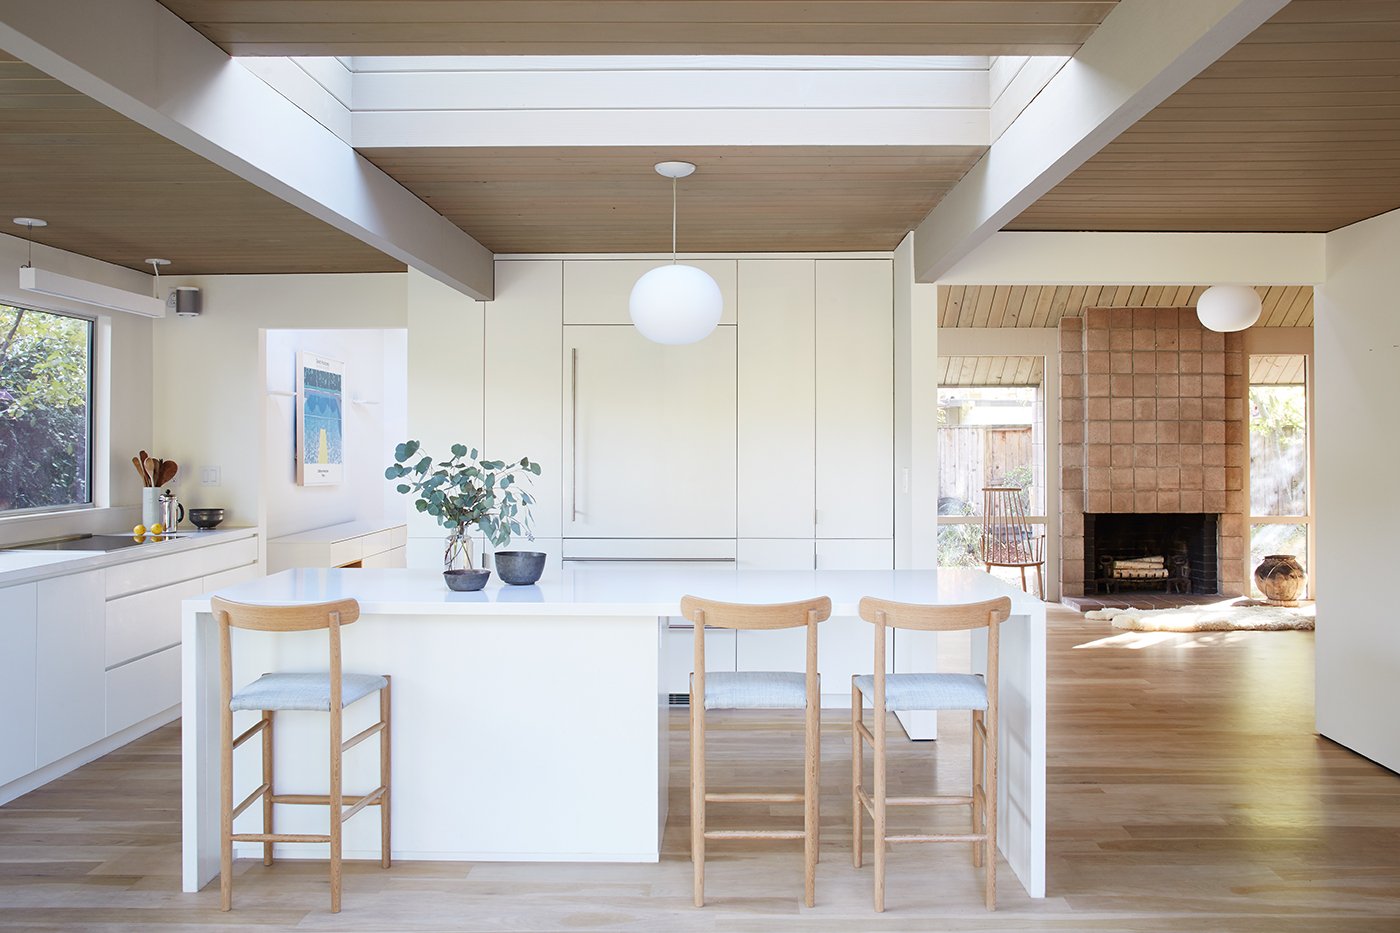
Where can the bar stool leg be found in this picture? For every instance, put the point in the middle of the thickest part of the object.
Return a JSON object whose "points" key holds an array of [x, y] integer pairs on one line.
{"points": [[990, 815], [978, 812], [811, 798], [337, 800], [879, 840], [697, 796], [857, 756], [385, 772], [226, 808], [267, 779]]}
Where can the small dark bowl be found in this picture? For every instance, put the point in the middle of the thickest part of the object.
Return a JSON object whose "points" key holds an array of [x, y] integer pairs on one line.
{"points": [[205, 518], [520, 568], [466, 581]]}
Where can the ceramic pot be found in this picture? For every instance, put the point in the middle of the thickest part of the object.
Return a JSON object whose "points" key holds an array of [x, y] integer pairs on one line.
{"points": [[1281, 579], [519, 568], [466, 581]]}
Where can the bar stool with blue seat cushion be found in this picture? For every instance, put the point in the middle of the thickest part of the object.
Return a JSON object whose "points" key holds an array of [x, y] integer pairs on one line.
{"points": [[888, 692], [328, 691], [755, 690]]}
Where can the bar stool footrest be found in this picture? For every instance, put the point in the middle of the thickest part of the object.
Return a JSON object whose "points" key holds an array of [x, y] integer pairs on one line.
{"points": [[755, 834]]}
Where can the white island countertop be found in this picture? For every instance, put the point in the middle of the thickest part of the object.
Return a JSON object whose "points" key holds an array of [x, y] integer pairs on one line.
{"points": [[594, 590]]}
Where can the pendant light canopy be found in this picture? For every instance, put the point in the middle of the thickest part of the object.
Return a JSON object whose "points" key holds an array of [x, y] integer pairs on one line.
{"points": [[675, 304], [1228, 308]]}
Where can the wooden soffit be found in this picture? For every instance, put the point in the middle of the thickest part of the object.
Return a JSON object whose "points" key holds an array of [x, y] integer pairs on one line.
{"points": [[116, 191], [1296, 129], [645, 27], [741, 199]]}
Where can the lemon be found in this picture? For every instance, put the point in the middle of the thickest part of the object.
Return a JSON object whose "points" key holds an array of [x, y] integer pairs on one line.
{"points": [[157, 528], [138, 531]]}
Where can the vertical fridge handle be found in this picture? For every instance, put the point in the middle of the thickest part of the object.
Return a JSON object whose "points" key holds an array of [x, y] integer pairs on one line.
{"points": [[573, 433]]}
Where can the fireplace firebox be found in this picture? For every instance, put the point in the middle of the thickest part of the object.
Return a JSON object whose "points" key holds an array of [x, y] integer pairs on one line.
{"points": [[1185, 546]]}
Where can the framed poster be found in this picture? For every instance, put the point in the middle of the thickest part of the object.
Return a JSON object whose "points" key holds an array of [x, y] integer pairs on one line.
{"points": [[320, 420]]}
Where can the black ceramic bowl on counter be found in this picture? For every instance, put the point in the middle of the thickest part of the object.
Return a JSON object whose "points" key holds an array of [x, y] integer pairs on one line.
{"points": [[519, 568], [204, 519]]}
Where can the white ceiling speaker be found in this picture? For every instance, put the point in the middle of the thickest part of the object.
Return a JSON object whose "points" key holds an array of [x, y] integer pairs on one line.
{"points": [[675, 304], [1228, 308]]}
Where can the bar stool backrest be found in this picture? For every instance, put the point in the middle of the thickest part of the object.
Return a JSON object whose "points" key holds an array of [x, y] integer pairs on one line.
{"points": [[885, 613], [750, 617], [303, 618]]}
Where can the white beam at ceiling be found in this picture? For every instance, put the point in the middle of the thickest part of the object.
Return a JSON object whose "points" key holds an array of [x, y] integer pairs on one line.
{"points": [[1143, 52], [141, 60]]}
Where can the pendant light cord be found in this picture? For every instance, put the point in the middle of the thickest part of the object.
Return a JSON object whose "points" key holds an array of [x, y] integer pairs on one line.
{"points": [[673, 221], [29, 237]]}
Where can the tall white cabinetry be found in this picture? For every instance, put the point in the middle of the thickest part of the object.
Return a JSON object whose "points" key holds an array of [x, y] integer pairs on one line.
{"points": [[650, 431], [70, 688], [19, 634]]}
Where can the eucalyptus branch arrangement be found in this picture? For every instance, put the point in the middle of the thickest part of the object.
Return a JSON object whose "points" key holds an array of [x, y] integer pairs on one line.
{"points": [[463, 491]]}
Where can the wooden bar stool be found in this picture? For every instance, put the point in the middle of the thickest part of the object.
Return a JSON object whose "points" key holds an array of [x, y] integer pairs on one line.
{"points": [[755, 690], [928, 692], [331, 692]]}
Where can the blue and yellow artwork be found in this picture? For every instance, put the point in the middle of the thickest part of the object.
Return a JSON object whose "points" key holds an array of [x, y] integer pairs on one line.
{"points": [[320, 420]]}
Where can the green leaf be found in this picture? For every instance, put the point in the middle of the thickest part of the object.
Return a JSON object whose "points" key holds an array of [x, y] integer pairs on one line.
{"points": [[535, 469], [403, 488], [391, 473], [459, 450], [422, 466], [421, 506]]}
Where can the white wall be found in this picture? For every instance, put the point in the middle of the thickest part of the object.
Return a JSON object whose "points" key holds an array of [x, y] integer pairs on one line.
{"points": [[375, 413], [915, 415], [211, 399], [122, 380], [1357, 349]]}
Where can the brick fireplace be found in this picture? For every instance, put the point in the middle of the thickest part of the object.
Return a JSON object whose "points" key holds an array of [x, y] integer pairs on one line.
{"points": [[1152, 423]]}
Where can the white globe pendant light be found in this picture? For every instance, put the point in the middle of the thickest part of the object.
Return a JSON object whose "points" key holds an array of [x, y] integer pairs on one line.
{"points": [[675, 304], [1228, 308]]}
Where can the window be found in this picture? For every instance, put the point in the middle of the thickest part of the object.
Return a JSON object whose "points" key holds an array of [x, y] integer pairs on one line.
{"points": [[1278, 459], [991, 420], [45, 410]]}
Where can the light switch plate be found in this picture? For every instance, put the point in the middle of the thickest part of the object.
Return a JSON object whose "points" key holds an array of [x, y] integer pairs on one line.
{"points": [[210, 476]]}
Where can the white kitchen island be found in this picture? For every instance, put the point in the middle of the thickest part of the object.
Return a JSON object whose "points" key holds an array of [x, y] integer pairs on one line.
{"points": [[530, 723]]}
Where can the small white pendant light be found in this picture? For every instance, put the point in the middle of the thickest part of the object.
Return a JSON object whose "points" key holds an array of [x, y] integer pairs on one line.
{"points": [[1228, 308], [675, 304]]}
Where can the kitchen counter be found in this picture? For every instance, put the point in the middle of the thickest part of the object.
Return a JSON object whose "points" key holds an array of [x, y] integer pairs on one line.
{"points": [[531, 723], [21, 566]]}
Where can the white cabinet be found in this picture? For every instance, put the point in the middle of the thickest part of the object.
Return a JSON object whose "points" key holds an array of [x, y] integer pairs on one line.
{"points": [[596, 291], [524, 381], [394, 558], [70, 664], [855, 398], [777, 398], [18, 645], [348, 544], [142, 688], [776, 553], [855, 554], [146, 622], [650, 435]]}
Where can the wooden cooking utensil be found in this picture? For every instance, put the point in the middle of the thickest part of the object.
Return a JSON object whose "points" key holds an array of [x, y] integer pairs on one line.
{"points": [[168, 469], [155, 470], [136, 462], [145, 472]]}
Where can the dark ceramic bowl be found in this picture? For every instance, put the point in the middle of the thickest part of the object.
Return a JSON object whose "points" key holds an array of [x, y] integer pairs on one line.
{"points": [[205, 518], [466, 581], [519, 568]]}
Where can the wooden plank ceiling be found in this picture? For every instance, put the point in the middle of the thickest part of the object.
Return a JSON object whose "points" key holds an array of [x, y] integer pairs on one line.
{"points": [[1278, 370], [542, 200], [116, 191], [645, 27], [1045, 305], [990, 370], [1295, 129]]}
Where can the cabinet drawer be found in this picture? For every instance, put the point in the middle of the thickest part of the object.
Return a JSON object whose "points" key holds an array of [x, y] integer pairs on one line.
{"points": [[398, 536], [217, 581], [145, 622], [139, 690], [376, 543], [153, 572], [391, 558], [345, 552]]}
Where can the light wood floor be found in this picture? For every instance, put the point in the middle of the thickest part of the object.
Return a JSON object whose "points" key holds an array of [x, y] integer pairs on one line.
{"points": [[1187, 793]]}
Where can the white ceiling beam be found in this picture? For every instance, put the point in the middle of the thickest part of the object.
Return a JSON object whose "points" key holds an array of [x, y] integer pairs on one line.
{"points": [[1143, 52], [144, 62]]}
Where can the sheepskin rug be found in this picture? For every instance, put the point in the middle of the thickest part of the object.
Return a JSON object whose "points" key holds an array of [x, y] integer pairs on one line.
{"points": [[1245, 616]]}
